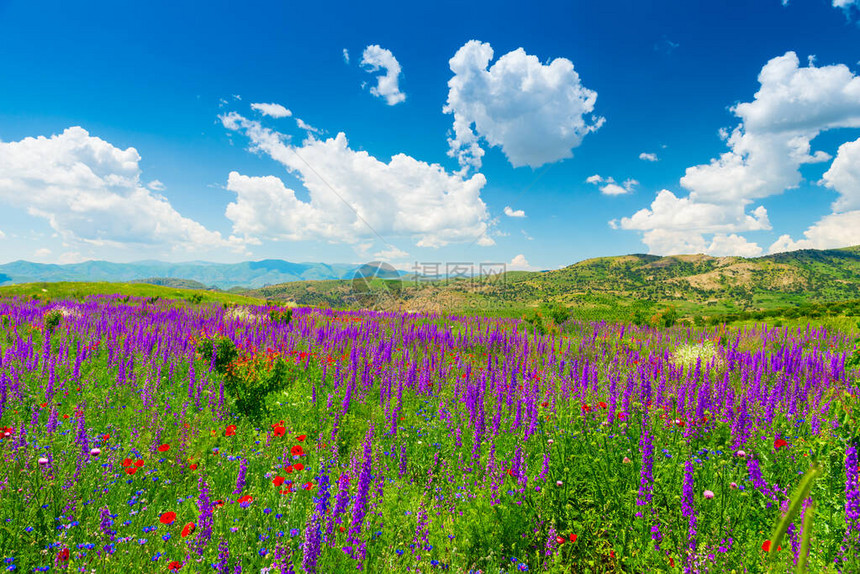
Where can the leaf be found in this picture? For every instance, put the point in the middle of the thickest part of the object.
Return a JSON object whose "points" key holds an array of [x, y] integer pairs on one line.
{"points": [[797, 497]]}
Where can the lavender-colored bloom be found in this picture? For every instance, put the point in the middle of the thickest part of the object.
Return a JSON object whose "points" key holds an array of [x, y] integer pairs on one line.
{"points": [[240, 480], [646, 474], [223, 556], [359, 507], [106, 523], [688, 511], [204, 520], [312, 544], [851, 541]]}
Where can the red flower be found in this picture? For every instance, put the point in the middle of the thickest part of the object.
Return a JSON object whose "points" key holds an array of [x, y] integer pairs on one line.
{"points": [[297, 450], [246, 498], [298, 466], [573, 537], [766, 546], [164, 448], [138, 463], [188, 529], [219, 503], [602, 405], [288, 469], [671, 562], [174, 565], [43, 405], [230, 430], [301, 437], [278, 481], [559, 539], [167, 517], [308, 486], [126, 462], [193, 466], [63, 555], [544, 404], [279, 430], [778, 443], [130, 470], [586, 408], [105, 436]]}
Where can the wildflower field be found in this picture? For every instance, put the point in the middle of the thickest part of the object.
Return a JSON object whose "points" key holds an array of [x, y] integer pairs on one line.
{"points": [[142, 436]]}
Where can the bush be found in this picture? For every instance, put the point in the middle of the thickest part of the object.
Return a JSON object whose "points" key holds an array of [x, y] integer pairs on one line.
{"points": [[248, 378], [52, 320], [281, 316]]}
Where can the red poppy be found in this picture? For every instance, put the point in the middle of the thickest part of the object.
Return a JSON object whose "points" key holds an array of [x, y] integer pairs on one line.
{"points": [[43, 405], [219, 503], [289, 490], [779, 443], [586, 408], [612, 554], [573, 537], [164, 448], [167, 517], [308, 486], [63, 555], [602, 405], [301, 437], [278, 480], [298, 466], [544, 404], [288, 469], [297, 450], [671, 562], [279, 430], [138, 463], [246, 498], [766, 546], [130, 470], [342, 529], [126, 462], [193, 466], [105, 436], [174, 565], [230, 430], [188, 529], [560, 539]]}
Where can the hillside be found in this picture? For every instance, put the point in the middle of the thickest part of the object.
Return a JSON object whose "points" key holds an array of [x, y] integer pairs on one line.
{"points": [[81, 290], [693, 284]]}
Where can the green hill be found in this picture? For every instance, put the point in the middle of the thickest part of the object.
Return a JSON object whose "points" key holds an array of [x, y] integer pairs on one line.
{"points": [[81, 290]]}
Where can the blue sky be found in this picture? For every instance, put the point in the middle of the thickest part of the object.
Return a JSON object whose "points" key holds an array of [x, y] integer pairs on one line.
{"points": [[487, 132]]}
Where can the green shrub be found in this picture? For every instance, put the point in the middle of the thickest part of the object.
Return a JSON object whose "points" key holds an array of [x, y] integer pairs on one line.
{"points": [[52, 320], [281, 316]]}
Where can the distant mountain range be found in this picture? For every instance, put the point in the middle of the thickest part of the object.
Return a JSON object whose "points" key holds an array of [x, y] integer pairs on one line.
{"points": [[194, 274]]}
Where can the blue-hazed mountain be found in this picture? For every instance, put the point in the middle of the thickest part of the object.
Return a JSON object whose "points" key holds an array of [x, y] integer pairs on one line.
{"points": [[249, 274]]}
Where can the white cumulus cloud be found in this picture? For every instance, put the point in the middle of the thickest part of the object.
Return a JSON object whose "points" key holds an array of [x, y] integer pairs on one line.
{"points": [[830, 232], [353, 196], [273, 110], [844, 177], [90, 192], [648, 156], [767, 147], [375, 58], [536, 113], [611, 187], [510, 212], [519, 263]]}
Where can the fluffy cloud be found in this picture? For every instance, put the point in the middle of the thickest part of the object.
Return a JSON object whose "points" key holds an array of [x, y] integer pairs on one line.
{"points": [[90, 192], [536, 113], [831, 231], [519, 263], [844, 177], [353, 196], [346, 55], [766, 150], [273, 110], [514, 213], [611, 187], [375, 59], [391, 253], [648, 156]]}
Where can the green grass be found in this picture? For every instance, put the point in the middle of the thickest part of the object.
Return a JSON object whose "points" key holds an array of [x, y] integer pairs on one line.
{"points": [[79, 291]]}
